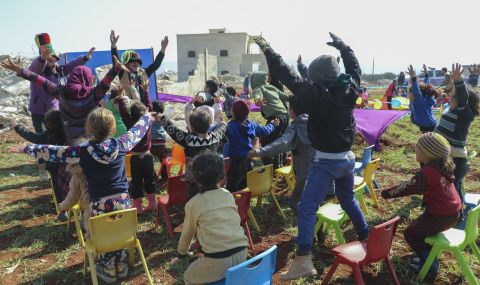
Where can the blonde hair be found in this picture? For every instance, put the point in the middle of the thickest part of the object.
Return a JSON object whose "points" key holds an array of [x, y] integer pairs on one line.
{"points": [[101, 124]]}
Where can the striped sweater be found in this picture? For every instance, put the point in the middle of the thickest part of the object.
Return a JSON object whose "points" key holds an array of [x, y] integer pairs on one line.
{"points": [[454, 124]]}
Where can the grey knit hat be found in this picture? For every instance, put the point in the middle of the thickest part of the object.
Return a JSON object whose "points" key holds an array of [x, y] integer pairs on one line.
{"points": [[324, 69], [433, 145]]}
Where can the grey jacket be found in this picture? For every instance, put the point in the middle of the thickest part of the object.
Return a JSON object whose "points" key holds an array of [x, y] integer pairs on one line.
{"points": [[294, 139]]}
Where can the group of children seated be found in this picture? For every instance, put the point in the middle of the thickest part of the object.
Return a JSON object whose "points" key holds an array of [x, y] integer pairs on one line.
{"points": [[89, 138]]}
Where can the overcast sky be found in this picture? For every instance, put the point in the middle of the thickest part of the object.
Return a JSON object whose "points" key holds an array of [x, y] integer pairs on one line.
{"points": [[396, 33]]}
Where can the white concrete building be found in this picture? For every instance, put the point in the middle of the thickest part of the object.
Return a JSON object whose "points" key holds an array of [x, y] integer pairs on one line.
{"points": [[234, 52]]}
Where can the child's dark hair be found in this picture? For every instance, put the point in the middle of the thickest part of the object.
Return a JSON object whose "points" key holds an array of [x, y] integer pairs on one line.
{"points": [[297, 105], [54, 125], [158, 106], [212, 86], [473, 100], [231, 91], [207, 171], [137, 110], [200, 121]]}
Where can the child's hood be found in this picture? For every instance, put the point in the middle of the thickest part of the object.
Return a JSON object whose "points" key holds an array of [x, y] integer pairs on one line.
{"points": [[105, 152], [258, 79]]}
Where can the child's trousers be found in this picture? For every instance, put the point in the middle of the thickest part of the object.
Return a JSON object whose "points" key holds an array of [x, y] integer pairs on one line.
{"points": [[143, 174], [426, 225], [205, 269], [321, 174], [237, 174]]}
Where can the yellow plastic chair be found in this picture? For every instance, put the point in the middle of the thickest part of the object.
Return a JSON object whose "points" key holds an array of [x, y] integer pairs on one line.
{"points": [[331, 214], [111, 232], [54, 197], [75, 212], [369, 178], [287, 173], [260, 182]]}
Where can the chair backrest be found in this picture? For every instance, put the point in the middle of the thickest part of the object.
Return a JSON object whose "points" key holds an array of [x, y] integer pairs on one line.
{"points": [[260, 180], [369, 173], [177, 189], [261, 273], [380, 240], [114, 231], [367, 156], [242, 199], [359, 191], [178, 155], [471, 226]]}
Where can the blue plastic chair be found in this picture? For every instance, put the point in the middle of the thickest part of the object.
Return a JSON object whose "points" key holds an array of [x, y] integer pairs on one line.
{"points": [[260, 274]]}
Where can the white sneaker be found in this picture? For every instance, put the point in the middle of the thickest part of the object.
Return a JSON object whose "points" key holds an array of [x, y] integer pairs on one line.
{"points": [[302, 266]]}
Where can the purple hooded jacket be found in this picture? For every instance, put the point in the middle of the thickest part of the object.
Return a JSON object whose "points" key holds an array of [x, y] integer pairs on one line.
{"points": [[40, 101]]}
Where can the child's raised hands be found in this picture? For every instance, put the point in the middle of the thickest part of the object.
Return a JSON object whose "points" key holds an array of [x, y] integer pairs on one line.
{"points": [[90, 53], [164, 44], [262, 43], [457, 71], [336, 42], [118, 65], [113, 39], [16, 149], [299, 59], [276, 122], [475, 70], [411, 71], [425, 70], [11, 65], [45, 54]]}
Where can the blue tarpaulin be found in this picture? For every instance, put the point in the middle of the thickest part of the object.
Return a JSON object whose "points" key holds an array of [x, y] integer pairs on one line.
{"points": [[104, 57]]}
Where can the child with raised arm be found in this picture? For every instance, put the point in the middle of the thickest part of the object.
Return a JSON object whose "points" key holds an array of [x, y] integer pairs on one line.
{"points": [[241, 133], [442, 204], [330, 98], [455, 123], [422, 100], [102, 159], [212, 217]]}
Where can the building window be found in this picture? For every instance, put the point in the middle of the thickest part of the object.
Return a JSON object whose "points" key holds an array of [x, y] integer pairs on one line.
{"points": [[224, 72], [191, 72], [224, 52], [192, 54]]}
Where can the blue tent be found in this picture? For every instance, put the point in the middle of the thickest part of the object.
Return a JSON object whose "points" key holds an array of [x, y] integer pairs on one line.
{"points": [[104, 57]]}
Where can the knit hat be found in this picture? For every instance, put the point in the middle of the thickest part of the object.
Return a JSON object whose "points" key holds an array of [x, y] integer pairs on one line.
{"points": [[240, 109], [130, 55], [324, 69], [43, 40], [433, 146]]}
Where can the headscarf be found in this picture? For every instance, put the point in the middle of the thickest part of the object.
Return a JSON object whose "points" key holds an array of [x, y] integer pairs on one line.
{"points": [[79, 83]]}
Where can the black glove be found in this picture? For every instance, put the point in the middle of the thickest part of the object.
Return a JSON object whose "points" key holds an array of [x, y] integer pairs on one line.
{"points": [[262, 43], [337, 42]]}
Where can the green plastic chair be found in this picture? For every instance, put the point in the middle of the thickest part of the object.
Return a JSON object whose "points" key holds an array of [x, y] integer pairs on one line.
{"points": [[331, 214], [455, 241]]}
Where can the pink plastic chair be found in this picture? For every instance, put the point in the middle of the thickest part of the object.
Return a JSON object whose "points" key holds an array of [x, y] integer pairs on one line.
{"points": [[242, 199], [358, 254], [177, 194]]}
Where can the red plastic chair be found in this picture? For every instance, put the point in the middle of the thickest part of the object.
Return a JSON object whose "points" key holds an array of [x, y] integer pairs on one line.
{"points": [[177, 194], [242, 199], [357, 254]]}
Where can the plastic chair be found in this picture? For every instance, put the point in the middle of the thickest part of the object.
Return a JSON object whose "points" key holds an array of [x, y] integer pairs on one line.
{"points": [[331, 214], [75, 212], [287, 173], [369, 176], [366, 158], [54, 198], [244, 274], [358, 254], [128, 168], [242, 199], [178, 158], [177, 194], [111, 232], [260, 182], [455, 241]]}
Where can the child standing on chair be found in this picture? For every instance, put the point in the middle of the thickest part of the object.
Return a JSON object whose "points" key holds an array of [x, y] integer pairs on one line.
{"points": [[102, 159], [212, 217], [241, 132], [442, 204]]}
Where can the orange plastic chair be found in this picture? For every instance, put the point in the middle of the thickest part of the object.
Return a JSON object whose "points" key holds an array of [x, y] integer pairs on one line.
{"points": [[178, 158], [177, 194], [111, 232], [358, 254], [242, 199]]}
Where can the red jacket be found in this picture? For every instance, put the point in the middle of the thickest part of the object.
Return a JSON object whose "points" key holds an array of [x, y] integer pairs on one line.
{"points": [[439, 193], [390, 90]]}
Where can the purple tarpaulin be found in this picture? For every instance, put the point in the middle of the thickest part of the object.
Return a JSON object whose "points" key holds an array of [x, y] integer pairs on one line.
{"points": [[372, 123]]}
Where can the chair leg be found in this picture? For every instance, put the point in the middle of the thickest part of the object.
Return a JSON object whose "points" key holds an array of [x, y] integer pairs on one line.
{"points": [[144, 262], [373, 195], [357, 274], [275, 181], [76, 219], [332, 270], [69, 219], [157, 215], [250, 241], [475, 250], [252, 219], [318, 224], [290, 183], [259, 201], [93, 271], [363, 205], [85, 263], [278, 205], [471, 279], [338, 233], [426, 266], [392, 271], [168, 223]]}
